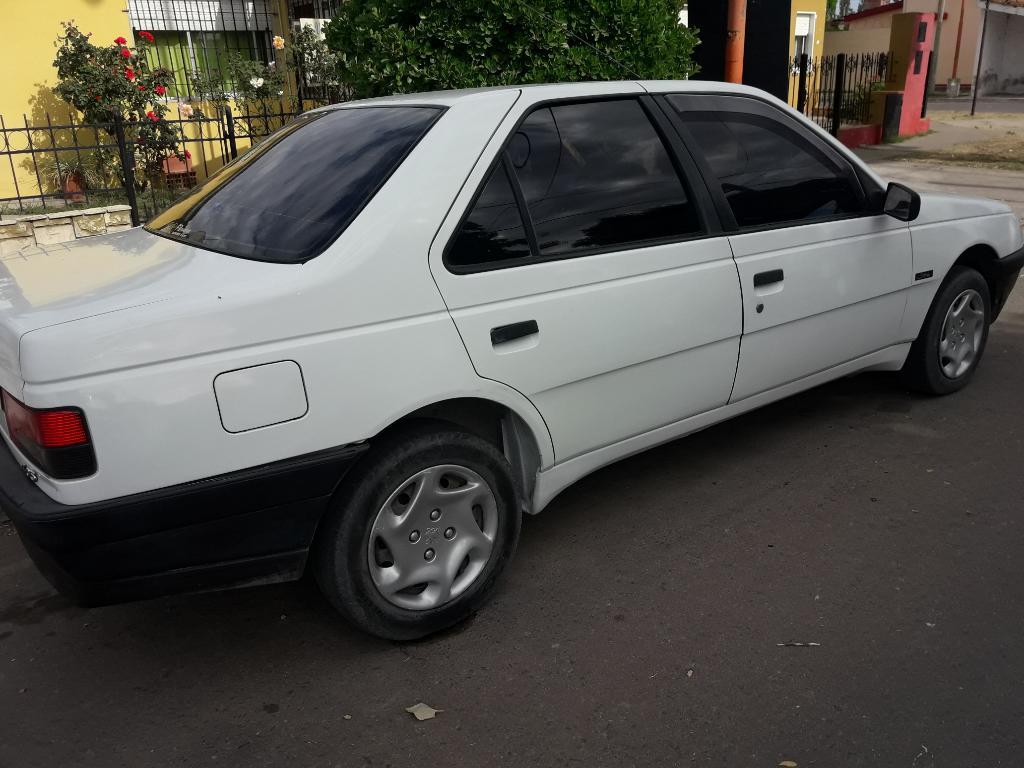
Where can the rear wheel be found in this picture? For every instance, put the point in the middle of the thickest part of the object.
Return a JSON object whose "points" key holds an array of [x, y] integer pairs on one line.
{"points": [[416, 542], [947, 352]]}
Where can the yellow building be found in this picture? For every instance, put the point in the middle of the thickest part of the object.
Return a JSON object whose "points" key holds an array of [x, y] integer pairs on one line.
{"points": [[807, 28], [30, 30], [192, 38]]}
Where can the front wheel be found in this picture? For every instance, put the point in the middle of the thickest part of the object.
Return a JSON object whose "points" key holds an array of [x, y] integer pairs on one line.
{"points": [[416, 542], [947, 352]]}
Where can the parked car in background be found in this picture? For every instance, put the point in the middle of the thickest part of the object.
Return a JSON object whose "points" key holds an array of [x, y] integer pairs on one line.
{"points": [[372, 343]]}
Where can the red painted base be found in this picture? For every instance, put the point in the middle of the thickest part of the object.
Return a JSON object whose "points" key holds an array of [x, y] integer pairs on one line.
{"points": [[854, 136]]}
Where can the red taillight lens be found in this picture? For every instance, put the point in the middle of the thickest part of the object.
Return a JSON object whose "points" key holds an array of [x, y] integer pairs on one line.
{"points": [[58, 429], [55, 439]]}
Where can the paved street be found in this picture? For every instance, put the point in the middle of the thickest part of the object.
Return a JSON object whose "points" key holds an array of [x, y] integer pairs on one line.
{"points": [[1005, 104], [640, 623]]}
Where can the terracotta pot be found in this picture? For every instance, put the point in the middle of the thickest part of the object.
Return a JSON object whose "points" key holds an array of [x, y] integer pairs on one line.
{"points": [[73, 189]]}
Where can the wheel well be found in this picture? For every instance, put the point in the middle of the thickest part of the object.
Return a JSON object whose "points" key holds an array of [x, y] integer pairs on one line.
{"points": [[496, 423], [983, 258]]}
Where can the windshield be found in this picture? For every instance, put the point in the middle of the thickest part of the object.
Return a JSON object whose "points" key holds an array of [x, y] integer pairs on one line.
{"points": [[292, 195]]}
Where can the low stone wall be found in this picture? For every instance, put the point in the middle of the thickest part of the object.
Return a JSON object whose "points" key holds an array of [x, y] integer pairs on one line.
{"points": [[19, 232]]}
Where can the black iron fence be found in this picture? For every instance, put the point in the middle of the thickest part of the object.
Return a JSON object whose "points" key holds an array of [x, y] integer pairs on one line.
{"points": [[836, 90], [50, 166]]}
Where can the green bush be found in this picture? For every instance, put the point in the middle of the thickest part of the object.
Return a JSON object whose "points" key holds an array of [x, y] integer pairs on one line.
{"points": [[401, 46]]}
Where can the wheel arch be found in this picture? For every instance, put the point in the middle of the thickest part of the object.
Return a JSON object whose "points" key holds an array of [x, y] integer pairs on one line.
{"points": [[983, 258], [519, 433]]}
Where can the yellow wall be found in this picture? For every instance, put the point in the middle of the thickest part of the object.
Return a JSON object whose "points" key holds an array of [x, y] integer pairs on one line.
{"points": [[26, 57], [816, 7]]}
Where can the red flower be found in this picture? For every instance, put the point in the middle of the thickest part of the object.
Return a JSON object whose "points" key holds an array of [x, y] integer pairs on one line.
{"points": [[147, 36], [120, 41], [129, 73], [160, 90], [126, 53], [153, 116], [97, 98], [188, 155], [142, 87]]}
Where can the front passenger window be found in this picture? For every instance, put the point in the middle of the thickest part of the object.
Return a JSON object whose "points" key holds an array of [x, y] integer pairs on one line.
{"points": [[768, 172]]}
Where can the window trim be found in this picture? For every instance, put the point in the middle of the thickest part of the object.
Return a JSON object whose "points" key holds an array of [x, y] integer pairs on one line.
{"points": [[712, 101], [689, 176]]}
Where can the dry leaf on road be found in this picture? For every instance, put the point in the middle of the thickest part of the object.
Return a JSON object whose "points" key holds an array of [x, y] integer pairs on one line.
{"points": [[422, 712]]}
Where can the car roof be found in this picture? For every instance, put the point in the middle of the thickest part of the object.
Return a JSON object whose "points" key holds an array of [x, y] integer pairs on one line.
{"points": [[562, 90]]}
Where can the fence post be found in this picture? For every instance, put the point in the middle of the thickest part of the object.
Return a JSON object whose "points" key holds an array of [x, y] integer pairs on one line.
{"points": [[230, 120], [801, 88], [837, 93], [127, 167]]}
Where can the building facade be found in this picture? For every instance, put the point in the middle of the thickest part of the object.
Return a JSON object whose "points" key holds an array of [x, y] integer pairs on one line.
{"points": [[868, 31]]}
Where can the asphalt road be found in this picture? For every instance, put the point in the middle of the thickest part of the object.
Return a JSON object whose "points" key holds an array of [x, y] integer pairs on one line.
{"points": [[1002, 104], [640, 623]]}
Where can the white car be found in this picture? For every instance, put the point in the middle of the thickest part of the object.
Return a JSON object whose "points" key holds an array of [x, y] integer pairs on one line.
{"points": [[370, 344]]}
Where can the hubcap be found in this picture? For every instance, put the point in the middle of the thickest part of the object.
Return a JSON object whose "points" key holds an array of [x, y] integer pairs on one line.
{"points": [[433, 537], [961, 334]]}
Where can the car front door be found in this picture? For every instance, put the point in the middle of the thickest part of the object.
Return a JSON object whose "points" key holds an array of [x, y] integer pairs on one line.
{"points": [[824, 273], [581, 269]]}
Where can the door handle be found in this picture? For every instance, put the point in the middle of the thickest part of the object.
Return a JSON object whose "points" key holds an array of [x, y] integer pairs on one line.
{"points": [[767, 278], [513, 331]]}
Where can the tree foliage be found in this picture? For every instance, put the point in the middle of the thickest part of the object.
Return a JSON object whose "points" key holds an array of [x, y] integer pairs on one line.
{"points": [[401, 46]]}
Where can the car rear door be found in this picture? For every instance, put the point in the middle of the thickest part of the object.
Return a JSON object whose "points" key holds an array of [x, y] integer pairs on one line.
{"points": [[581, 267], [824, 273]]}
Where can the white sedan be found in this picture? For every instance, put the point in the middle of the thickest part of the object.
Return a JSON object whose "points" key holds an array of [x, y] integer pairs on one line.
{"points": [[370, 344]]}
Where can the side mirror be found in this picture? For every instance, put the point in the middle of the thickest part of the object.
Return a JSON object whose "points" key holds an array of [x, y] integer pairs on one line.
{"points": [[901, 202]]}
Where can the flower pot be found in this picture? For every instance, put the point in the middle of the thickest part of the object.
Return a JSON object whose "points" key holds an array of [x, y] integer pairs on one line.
{"points": [[73, 188]]}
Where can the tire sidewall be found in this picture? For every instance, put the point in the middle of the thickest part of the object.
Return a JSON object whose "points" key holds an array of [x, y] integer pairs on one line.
{"points": [[959, 281], [344, 571]]}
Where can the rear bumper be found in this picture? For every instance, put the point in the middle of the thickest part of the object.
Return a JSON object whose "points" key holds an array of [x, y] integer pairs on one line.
{"points": [[246, 527]]}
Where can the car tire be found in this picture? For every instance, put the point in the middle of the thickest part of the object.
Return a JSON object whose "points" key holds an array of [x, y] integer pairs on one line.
{"points": [[945, 355], [433, 508]]}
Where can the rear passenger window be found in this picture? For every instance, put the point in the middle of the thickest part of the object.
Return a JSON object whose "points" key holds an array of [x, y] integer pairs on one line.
{"points": [[592, 176], [769, 173]]}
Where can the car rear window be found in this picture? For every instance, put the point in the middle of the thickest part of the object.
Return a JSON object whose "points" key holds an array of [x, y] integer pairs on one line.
{"points": [[292, 195]]}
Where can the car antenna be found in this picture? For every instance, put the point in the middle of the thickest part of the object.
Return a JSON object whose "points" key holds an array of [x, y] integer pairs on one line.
{"points": [[566, 30]]}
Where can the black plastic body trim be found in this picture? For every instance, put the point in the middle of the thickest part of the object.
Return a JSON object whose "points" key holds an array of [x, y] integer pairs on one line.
{"points": [[1007, 271], [768, 278], [513, 331], [250, 526]]}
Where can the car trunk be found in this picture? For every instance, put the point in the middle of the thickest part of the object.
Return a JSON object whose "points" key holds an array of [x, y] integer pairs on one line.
{"points": [[56, 285]]}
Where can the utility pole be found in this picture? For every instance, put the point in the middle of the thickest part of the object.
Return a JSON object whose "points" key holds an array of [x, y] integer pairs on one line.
{"points": [[981, 49], [735, 32], [933, 59]]}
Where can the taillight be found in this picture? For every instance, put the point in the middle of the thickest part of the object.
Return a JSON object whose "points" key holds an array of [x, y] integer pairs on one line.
{"points": [[55, 439]]}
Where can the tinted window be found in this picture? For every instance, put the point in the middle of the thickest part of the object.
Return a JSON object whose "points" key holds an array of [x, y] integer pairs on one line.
{"points": [[597, 175], [768, 172], [493, 231], [289, 197]]}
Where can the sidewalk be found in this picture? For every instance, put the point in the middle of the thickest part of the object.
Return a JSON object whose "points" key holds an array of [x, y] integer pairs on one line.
{"points": [[982, 156], [991, 140]]}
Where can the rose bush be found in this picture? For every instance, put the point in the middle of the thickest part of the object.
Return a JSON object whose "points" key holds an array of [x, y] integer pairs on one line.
{"points": [[107, 83]]}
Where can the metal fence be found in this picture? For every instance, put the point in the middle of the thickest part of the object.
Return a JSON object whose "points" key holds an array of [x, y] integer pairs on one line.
{"points": [[836, 90], [56, 165]]}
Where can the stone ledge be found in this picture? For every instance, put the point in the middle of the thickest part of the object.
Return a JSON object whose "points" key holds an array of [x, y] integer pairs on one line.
{"points": [[20, 232]]}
